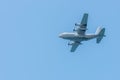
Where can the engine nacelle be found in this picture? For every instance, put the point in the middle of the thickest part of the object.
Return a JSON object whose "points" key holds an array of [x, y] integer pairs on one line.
{"points": [[75, 28], [70, 43], [77, 24]]}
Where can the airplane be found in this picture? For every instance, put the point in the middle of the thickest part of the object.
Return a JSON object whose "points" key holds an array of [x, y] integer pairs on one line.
{"points": [[79, 34]]}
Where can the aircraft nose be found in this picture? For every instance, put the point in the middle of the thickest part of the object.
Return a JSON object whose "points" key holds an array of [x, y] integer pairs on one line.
{"points": [[60, 35]]}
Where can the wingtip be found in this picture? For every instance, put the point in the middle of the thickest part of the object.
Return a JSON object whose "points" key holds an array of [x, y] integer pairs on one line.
{"points": [[72, 50], [85, 13]]}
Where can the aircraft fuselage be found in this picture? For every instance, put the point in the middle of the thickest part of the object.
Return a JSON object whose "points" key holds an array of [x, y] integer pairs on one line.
{"points": [[76, 37]]}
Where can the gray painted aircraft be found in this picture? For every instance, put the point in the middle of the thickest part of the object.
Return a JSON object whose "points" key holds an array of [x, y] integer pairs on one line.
{"points": [[79, 34]]}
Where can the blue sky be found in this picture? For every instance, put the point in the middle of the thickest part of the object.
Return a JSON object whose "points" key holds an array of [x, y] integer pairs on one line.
{"points": [[30, 48]]}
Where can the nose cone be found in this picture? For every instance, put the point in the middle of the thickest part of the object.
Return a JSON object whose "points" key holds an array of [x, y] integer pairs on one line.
{"points": [[60, 35]]}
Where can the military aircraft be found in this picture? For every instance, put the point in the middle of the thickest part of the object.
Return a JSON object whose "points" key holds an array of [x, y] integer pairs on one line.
{"points": [[78, 35]]}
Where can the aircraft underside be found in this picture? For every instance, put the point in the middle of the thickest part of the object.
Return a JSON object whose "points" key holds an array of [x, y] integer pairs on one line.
{"points": [[80, 39]]}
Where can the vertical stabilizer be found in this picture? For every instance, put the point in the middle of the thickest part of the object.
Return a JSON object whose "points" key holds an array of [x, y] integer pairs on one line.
{"points": [[98, 30]]}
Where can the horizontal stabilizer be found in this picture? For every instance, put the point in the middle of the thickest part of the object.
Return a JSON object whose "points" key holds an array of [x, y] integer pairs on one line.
{"points": [[100, 35]]}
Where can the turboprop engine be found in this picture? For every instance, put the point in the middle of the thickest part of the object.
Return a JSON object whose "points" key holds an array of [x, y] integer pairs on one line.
{"points": [[77, 24], [70, 43]]}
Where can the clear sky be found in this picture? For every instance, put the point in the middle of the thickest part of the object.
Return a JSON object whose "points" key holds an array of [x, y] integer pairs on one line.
{"points": [[30, 48]]}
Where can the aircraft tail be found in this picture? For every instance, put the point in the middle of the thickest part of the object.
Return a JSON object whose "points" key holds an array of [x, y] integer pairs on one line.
{"points": [[100, 33]]}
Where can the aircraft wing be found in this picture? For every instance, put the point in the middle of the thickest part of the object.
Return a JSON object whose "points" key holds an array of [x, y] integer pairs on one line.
{"points": [[74, 46], [83, 25]]}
